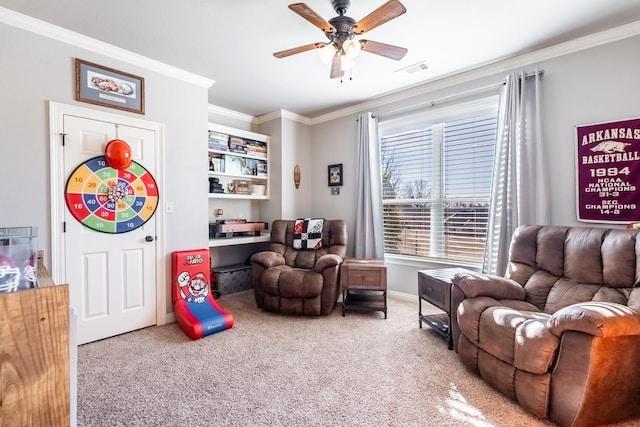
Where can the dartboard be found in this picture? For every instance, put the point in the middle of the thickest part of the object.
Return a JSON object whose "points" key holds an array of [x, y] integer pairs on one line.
{"points": [[111, 200]]}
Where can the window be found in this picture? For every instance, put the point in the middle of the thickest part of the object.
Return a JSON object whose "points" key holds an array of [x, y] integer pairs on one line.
{"points": [[436, 181]]}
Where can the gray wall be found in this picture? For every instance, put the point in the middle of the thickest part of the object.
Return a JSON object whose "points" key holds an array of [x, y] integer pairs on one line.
{"points": [[36, 70], [296, 149], [334, 142]]}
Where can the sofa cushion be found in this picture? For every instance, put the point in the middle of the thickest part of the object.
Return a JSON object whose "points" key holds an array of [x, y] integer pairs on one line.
{"points": [[290, 282], [499, 326], [567, 292], [535, 346], [471, 310], [300, 259], [532, 391]]}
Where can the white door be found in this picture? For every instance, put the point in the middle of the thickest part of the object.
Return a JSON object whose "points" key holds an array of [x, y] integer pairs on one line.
{"points": [[111, 276]]}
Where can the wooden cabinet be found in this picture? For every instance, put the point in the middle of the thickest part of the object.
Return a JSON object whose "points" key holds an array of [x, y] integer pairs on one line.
{"points": [[34, 356], [238, 163], [364, 285]]}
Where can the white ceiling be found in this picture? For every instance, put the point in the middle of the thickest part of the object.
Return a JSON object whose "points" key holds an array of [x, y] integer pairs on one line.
{"points": [[232, 41]]}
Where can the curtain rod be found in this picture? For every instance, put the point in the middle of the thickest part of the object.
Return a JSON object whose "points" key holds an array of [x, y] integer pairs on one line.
{"points": [[433, 102]]}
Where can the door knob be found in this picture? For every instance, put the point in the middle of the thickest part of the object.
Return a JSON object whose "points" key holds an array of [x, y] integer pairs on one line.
{"points": [[149, 238]]}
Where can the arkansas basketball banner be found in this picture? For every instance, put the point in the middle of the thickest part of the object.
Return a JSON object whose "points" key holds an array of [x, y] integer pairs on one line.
{"points": [[608, 171]]}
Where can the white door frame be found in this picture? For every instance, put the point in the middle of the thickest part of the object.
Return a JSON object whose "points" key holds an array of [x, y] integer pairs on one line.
{"points": [[57, 111]]}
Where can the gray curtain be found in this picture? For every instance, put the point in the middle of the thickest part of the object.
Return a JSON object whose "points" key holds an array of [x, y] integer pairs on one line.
{"points": [[520, 185], [369, 231]]}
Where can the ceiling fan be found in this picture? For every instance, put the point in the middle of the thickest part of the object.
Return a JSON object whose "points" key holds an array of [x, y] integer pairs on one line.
{"points": [[341, 30]]}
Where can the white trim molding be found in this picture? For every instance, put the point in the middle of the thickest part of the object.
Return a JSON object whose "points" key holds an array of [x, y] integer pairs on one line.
{"points": [[284, 114], [225, 112]]}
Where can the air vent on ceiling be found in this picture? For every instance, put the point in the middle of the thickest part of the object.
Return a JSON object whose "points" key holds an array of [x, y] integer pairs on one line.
{"points": [[412, 69]]}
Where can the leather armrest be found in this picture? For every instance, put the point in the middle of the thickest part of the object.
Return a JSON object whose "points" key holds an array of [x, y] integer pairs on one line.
{"points": [[327, 260], [603, 319], [487, 285], [268, 259]]}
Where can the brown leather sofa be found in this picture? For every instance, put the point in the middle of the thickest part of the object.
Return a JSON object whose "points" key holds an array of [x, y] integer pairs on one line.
{"points": [[299, 281], [560, 333]]}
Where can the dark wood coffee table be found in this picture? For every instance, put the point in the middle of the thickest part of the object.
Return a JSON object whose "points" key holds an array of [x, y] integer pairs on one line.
{"points": [[434, 287]]}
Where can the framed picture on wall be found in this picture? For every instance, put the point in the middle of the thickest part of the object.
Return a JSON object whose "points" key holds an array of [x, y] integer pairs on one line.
{"points": [[335, 175], [105, 86]]}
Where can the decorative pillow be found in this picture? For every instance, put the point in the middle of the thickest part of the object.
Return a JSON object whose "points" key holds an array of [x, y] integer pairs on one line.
{"points": [[307, 233]]}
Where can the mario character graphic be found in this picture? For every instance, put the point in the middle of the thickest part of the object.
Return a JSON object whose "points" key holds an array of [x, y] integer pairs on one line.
{"points": [[193, 289]]}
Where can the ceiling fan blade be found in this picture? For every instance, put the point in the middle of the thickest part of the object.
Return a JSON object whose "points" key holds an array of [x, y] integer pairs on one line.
{"points": [[307, 13], [299, 49], [388, 11], [383, 49], [336, 67]]}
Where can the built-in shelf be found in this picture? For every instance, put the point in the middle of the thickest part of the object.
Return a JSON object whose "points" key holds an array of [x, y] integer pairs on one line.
{"points": [[237, 196], [245, 168]]}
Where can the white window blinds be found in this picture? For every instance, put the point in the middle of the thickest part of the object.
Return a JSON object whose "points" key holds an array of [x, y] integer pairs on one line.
{"points": [[436, 178]]}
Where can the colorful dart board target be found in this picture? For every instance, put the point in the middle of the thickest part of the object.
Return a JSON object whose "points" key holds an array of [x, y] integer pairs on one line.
{"points": [[111, 200]]}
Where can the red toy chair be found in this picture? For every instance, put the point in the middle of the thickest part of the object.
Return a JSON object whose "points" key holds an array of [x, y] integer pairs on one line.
{"points": [[194, 307]]}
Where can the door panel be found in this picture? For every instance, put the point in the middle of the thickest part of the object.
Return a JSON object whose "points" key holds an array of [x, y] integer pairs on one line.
{"points": [[111, 277], [95, 289], [133, 279]]}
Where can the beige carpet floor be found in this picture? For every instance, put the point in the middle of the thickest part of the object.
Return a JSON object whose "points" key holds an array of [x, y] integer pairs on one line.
{"points": [[276, 370]]}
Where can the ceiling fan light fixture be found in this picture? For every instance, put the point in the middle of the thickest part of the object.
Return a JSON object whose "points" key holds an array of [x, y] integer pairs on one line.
{"points": [[327, 52], [351, 48], [341, 49]]}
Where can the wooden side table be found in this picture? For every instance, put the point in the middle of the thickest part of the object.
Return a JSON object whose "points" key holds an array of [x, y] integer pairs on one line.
{"points": [[434, 287], [364, 285]]}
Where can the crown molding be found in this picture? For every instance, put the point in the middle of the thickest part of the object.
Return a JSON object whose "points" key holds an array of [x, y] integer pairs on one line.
{"points": [[225, 112], [54, 32], [284, 114], [487, 69]]}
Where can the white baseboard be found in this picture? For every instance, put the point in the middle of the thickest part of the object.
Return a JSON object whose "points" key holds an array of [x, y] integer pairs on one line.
{"points": [[403, 296]]}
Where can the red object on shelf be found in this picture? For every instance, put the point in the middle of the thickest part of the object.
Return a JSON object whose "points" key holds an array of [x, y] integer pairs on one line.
{"points": [[196, 310]]}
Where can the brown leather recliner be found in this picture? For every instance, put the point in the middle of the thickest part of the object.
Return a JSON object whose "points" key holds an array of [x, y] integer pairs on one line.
{"points": [[560, 333], [299, 281]]}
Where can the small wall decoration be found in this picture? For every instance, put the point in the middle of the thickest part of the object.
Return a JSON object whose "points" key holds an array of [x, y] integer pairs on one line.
{"points": [[112, 193], [296, 176], [335, 175], [608, 171], [105, 86]]}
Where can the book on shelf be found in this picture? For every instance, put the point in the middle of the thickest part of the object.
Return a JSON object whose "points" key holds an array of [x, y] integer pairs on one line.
{"points": [[218, 141], [237, 145], [216, 164], [256, 149], [261, 169]]}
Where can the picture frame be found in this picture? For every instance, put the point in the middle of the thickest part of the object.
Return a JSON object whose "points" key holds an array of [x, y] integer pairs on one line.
{"points": [[99, 85], [334, 175]]}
